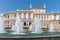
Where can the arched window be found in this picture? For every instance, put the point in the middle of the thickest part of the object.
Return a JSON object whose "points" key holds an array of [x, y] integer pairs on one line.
{"points": [[24, 23], [8, 16], [29, 23]]}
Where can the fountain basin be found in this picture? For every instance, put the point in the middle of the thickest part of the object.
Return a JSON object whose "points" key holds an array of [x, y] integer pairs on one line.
{"points": [[30, 35]]}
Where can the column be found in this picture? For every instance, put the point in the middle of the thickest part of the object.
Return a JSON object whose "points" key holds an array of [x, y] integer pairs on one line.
{"points": [[45, 17], [29, 15], [40, 17]]}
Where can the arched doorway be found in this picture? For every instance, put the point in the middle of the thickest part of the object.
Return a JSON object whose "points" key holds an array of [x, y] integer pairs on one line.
{"points": [[29, 23], [24, 23]]}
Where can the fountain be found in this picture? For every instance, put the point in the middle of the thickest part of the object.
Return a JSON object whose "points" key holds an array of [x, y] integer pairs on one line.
{"points": [[37, 25], [13, 27], [2, 25], [51, 28], [31, 28], [18, 27], [35, 29]]}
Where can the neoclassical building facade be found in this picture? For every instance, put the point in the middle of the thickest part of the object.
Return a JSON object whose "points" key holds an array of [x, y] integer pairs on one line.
{"points": [[27, 17]]}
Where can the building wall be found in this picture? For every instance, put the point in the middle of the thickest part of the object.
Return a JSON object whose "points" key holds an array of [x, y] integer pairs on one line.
{"points": [[27, 18]]}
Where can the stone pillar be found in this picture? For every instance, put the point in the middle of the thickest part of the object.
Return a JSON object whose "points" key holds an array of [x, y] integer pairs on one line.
{"points": [[46, 17]]}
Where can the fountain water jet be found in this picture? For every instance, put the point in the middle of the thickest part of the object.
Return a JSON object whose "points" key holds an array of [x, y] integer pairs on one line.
{"points": [[13, 27], [31, 28], [2, 24], [51, 28], [37, 25], [18, 27]]}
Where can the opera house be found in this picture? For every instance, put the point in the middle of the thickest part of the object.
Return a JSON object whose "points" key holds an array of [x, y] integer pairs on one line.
{"points": [[27, 17]]}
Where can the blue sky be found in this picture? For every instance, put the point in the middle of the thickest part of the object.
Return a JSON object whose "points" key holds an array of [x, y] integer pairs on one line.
{"points": [[12, 5]]}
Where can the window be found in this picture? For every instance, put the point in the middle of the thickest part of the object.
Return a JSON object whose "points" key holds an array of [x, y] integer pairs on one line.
{"points": [[24, 23], [29, 15], [46, 17], [14, 15], [35, 16], [8, 16], [29, 23], [43, 17], [20, 15], [24, 15], [54, 17]]}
